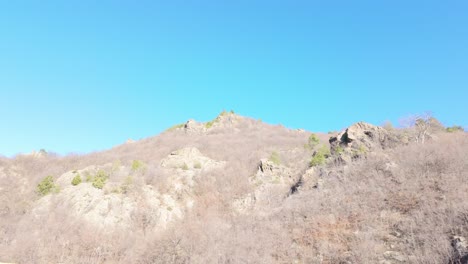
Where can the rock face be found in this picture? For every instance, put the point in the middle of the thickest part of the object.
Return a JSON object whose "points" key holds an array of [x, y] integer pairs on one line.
{"points": [[122, 204], [460, 246], [271, 173], [194, 127], [271, 180], [361, 138], [189, 158]]}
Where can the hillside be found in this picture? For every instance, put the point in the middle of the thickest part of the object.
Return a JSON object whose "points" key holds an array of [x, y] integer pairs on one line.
{"points": [[237, 190]]}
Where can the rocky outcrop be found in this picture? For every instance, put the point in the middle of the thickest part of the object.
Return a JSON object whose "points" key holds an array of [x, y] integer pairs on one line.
{"points": [[272, 173], [189, 158], [359, 139], [123, 204], [194, 127], [460, 247], [272, 182]]}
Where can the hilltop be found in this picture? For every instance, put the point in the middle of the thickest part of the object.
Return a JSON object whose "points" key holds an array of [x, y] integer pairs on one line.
{"points": [[237, 190]]}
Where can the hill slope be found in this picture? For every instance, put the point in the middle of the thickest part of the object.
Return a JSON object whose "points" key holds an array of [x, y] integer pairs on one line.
{"points": [[236, 190]]}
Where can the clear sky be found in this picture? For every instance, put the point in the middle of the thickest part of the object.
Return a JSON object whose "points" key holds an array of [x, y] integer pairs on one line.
{"points": [[79, 76]]}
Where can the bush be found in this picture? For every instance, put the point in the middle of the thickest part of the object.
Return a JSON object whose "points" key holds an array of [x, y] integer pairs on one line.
{"points": [[76, 180], [339, 150], [185, 166], [454, 129], [275, 158], [47, 186], [313, 141], [320, 156], [137, 165], [100, 179], [197, 165], [210, 124]]}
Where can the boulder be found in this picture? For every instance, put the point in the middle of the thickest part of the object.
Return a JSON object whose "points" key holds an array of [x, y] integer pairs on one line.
{"points": [[361, 138], [460, 247]]}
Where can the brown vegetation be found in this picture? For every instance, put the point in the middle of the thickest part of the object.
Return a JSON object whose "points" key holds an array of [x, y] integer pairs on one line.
{"points": [[404, 203]]}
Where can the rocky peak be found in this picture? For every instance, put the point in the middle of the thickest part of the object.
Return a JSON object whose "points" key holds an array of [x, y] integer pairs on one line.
{"points": [[362, 137], [194, 127]]}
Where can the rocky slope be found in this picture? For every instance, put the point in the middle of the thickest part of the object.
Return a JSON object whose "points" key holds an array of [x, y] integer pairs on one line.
{"points": [[236, 190]]}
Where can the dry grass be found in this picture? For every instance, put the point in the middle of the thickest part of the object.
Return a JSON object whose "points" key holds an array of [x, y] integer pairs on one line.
{"points": [[410, 199]]}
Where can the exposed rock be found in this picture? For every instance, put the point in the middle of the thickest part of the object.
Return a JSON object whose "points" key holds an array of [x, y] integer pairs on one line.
{"points": [[312, 178], [271, 180], [460, 247], [359, 139], [110, 207], [112, 210], [188, 159], [269, 172], [194, 127]]}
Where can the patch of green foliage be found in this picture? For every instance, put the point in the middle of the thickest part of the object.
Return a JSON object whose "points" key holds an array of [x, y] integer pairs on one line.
{"points": [[275, 158], [137, 165], [320, 156], [100, 179], [362, 149], [76, 180], [197, 165], [454, 129], [185, 166], [47, 185], [339, 150], [210, 123], [313, 141]]}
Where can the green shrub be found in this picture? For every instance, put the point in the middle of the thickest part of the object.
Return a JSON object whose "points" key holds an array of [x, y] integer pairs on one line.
{"points": [[313, 141], [454, 129], [275, 158], [339, 150], [210, 123], [76, 180], [137, 165], [100, 179], [362, 149], [185, 166], [320, 156], [197, 165], [47, 186]]}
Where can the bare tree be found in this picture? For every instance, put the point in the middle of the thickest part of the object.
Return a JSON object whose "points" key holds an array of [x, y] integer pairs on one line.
{"points": [[423, 124]]}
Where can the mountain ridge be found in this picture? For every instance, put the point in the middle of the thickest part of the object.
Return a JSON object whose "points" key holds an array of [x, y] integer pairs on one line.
{"points": [[234, 180]]}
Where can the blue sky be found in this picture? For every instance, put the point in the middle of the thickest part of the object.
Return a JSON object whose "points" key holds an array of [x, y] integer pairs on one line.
{"points": [[80, 76]]}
